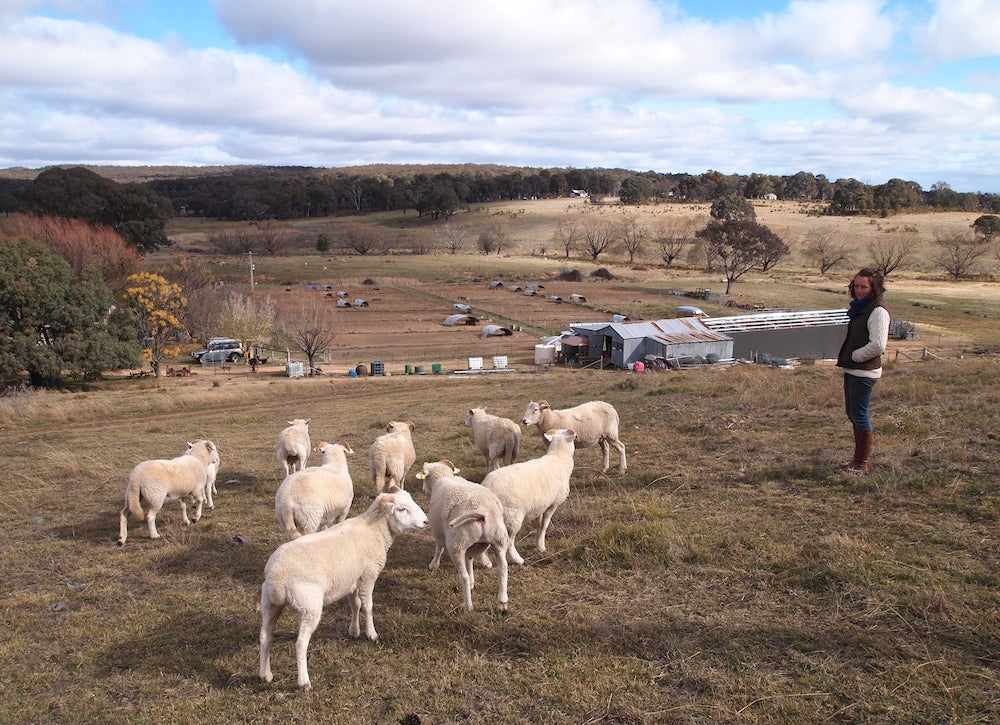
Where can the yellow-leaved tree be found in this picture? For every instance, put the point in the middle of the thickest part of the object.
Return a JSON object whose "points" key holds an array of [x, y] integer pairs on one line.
{"points": [[159, 308]]}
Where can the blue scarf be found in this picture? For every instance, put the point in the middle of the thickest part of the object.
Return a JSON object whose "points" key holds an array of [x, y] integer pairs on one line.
{"points": [[857, 305]]}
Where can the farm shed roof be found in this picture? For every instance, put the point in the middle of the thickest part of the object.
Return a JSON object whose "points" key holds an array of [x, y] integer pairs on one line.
{"points": [[777, 320], [575, 340], [671, 331]]}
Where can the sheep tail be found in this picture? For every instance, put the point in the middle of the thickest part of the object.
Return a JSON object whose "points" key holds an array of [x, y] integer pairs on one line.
{"points": [[478, 516], [132, 500]]}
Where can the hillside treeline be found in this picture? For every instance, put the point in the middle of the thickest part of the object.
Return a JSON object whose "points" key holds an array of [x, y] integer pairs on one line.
{"points": [[138, 210]]}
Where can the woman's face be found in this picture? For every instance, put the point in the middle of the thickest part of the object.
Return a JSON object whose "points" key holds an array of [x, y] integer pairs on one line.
{"points": [[862, 287]]}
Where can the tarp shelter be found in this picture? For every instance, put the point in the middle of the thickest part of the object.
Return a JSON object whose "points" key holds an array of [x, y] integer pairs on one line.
{"points": [[815, 334], [360, 302], [461, 307], [452, 320], [623, 343], [343, 303], [496, 331]]}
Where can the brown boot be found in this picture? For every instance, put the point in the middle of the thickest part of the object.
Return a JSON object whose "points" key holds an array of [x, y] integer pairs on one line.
{"points": [[857, 452], [863, 440]]}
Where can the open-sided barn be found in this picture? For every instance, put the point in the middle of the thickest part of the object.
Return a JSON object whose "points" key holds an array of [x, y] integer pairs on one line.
{"points": [[817, 334]]}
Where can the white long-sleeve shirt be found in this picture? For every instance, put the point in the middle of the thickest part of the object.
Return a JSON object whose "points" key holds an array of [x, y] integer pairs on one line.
{"points": [[878, 336]]}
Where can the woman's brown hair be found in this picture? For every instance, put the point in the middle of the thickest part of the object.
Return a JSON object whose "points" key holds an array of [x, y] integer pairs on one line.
{"points": [[876, 280]]}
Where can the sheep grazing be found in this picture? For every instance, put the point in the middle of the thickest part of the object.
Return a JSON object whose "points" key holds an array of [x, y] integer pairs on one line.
{"points": [[392, 455], [293, 445], [498, 439], [342, 561], [161, 480], [466, 519], [595, 423], [316, 498], [534, 489]]}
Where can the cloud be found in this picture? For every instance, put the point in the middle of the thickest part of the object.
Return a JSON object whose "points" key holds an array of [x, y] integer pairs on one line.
{"points": [[961, 29]]}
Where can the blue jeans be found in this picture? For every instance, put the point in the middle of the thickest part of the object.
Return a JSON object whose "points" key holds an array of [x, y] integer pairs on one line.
{"points": [[857, 397]]}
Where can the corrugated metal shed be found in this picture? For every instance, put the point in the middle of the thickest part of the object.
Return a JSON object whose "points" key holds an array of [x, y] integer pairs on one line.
{"points": [[816, 333], [622, 343]]}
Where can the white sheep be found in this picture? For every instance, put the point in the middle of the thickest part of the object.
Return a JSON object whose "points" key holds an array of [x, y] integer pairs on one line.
{"points": [[534, 489], [342, 561], [293, 445], [392, 455], [211, 472], [498, 439], [466, 519], [317, 497], [161, 480], [595, 423]]}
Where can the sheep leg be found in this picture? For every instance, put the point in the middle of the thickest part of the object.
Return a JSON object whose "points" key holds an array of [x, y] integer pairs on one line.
{"points": [[354, 601], [269, 615], [543, 526], [484, 559], [606, 453], [123, 526], [436, 561], [197, 510], [622, 467], [184, 512], [502, 571], [514, 528], [366, 590], [307, 625], [151, 520], [463, 563]]}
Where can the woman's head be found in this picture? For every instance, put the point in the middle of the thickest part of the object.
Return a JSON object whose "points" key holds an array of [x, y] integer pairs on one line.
{"points": [[867, 281]]}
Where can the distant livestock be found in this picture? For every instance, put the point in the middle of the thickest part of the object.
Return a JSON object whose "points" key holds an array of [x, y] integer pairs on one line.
{"points": [[392, 455], [595, 423], [161, 480], [342, 561], [498, 439], [293, 445]]}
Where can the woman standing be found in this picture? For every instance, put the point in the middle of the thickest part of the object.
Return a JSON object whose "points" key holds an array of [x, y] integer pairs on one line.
{"points": [[861, 358]]}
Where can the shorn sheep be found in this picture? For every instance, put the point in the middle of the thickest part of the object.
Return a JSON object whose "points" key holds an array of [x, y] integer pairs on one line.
{"points": [[498, 439], [161, 480], [342, 561], [317, 497], [595, 423], [392, 455], [533, 490], [466, 520], [293, 445]]}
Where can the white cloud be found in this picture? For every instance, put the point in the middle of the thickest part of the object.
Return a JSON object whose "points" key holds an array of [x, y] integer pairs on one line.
{"points": [[961, 29]]}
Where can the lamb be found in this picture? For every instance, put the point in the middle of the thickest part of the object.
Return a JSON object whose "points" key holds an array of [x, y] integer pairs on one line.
{"points": [[498, 439], [342, 561], [316, 498], [595, 423], [392, 455], [162, 480], [466, 519], [293, 445], [534, 489]]}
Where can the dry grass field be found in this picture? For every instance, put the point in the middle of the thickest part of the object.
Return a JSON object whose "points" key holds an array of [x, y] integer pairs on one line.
{"points": [[732, 575]]}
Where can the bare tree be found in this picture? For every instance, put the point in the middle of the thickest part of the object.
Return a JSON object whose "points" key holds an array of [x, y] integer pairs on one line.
{"points": [[958, 253], [567, 234], [598, 235], [673, 236], [307, 326], [453, 236], [273, 237], [891, 250], [827, 250], [494, 237], [361, 238], [634, 236]]}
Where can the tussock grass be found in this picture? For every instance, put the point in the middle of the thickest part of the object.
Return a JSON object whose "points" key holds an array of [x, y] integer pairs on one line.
{"points": [[732, 575]]}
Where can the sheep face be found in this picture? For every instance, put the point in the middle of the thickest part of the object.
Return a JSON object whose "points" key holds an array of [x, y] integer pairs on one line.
{"points": [[533, 413], [401, 510]]}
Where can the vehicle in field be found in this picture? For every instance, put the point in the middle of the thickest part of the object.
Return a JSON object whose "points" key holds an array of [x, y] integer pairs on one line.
{"points": [[220, 350]]}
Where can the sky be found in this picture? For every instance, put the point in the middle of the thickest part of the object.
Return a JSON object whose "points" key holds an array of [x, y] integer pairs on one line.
{"points": [[863, 89]]}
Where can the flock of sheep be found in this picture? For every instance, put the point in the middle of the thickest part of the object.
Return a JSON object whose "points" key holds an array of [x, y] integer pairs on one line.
{"points": [[329, 556]]}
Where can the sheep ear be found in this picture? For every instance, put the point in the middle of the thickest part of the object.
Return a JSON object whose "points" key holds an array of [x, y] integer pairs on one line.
{"points": [[209, 445], [291, 422], [347, 447], [389, 425], [393, 488], [542, 404], [411, 424], [308, 420], [549, 434], [190, 445]]}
